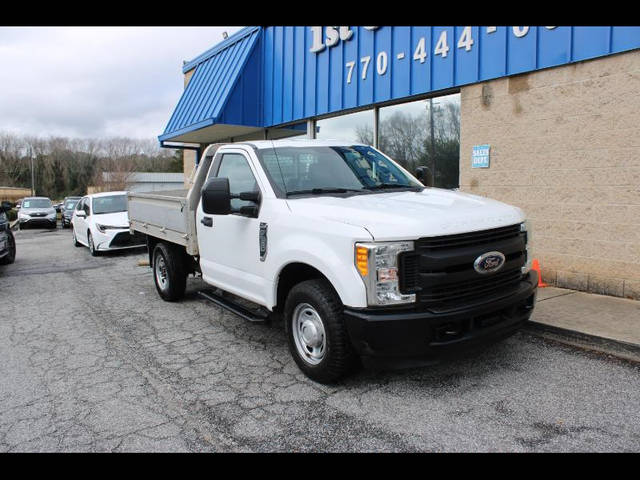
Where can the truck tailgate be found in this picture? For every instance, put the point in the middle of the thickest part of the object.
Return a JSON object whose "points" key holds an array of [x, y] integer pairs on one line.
{"points": [[161, 214]]}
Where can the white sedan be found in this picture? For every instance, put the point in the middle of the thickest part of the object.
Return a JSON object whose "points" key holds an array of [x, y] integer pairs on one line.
{"points": [[101, 222]]}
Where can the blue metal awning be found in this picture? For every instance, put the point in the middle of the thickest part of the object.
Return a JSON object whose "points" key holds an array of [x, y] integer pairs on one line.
{"points": [[219, 85], [276, 77]]}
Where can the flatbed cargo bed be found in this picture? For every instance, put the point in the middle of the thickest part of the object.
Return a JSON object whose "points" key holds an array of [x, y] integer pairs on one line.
{"points": [[169, 215]]}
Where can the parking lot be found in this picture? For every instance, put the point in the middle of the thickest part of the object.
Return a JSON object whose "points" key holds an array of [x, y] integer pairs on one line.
{"points": [[92, 360]]}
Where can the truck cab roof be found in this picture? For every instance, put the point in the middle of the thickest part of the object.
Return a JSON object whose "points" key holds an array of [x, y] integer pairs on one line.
{"points": [[298, 142]]}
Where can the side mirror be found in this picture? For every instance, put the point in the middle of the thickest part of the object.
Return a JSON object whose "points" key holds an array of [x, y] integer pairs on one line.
{"points": [[81, 214], [6, 206], [250, 196], [424, 175], [216, 198]]}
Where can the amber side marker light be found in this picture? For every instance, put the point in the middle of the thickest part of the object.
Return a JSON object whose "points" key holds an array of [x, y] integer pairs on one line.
{"points": [[362, 260]]}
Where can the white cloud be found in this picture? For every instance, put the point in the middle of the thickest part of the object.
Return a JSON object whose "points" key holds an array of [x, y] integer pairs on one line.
{"points": [[95, 81]]}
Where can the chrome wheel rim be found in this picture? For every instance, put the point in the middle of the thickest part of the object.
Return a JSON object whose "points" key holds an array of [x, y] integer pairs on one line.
{"points": [[161, 272], [309, 334]]}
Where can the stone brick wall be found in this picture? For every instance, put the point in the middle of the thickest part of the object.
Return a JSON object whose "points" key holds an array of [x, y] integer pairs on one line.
{"points": [[188, 156], [565, 147]]}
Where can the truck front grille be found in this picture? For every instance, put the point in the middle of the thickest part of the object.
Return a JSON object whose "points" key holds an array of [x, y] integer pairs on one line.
{"points": [[440, 271]]}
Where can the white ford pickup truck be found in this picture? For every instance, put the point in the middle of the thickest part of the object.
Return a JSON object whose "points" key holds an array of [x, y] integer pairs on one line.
{"points": [[361, 260]]}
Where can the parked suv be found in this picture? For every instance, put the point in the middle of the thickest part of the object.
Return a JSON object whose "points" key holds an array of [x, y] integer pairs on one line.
{"points": [[7, 242], [37, 211], [66, 210]]}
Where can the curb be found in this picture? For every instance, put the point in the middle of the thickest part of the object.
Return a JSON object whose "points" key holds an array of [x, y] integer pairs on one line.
{"points": [[617, 348]]}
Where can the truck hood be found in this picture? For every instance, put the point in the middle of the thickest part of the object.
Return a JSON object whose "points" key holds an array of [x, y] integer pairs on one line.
{"points": [[410, 215]]}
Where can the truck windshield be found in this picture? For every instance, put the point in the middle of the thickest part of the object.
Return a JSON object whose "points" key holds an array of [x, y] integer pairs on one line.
{"points": [[337, 169], [110, 204]]}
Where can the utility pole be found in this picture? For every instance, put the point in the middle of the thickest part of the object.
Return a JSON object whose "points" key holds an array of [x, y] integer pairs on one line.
{"points": [[33, 185]]}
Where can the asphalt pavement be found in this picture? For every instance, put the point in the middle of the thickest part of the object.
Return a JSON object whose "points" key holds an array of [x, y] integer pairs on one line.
{"points": [[91, 359]]}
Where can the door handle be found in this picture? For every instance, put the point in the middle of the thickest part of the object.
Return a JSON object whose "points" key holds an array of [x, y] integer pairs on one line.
{"points": [[207, 221]]}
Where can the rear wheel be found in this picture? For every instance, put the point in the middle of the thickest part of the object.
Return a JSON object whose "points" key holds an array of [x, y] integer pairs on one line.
{"points": [[169, 273], [316, 333]]}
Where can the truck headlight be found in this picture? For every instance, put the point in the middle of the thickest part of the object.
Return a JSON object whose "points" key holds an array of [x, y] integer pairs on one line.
{"points": [[528, 233], [377, 264]]}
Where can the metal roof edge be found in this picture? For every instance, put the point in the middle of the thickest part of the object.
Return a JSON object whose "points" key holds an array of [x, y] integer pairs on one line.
{"points": [[190, 128], [236, 37], [241, 68]]}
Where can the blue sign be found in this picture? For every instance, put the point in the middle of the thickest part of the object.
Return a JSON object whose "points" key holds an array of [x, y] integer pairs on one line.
{"points": [[480, 156], [276, 75]]}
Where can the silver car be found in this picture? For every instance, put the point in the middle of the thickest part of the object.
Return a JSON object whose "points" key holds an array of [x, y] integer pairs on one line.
{"points": [[37, 211]]}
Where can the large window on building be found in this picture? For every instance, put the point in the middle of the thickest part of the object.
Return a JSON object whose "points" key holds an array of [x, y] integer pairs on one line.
{"points": [[424, 132], [354, 127]]}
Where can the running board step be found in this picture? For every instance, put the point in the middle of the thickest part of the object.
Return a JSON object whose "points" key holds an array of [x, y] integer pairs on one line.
{"points": [[260, 316]]}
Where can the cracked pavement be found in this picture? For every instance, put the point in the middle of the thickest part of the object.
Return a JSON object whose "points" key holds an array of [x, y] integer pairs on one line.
{"points": [[91, 359]]}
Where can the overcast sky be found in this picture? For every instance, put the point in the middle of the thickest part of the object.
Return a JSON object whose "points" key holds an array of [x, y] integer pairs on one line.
{"points": [[95, 81]]}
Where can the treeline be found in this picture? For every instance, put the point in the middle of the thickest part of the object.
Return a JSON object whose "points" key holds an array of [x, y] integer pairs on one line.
{"points": [[67, 166]]}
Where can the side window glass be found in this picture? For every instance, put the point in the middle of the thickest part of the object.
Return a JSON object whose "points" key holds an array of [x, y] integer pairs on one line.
{"points": [[79, 205], [235, 167], [86, 208]]}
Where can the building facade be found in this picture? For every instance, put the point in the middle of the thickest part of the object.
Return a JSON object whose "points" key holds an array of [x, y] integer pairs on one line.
{"points": [[545, 118]]}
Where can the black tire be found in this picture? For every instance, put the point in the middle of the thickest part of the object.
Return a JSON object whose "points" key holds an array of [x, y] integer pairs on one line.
{"points": [[168, 264], [76, 243], [19, 226], [92, 247], [338, 358], [11, 256]]}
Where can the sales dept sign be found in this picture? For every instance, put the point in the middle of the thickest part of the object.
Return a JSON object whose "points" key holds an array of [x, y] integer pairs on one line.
{"points": [[480, 156]]}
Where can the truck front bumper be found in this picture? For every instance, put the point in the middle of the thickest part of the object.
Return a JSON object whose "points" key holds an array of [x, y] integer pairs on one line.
{"points": [[405, 338]]}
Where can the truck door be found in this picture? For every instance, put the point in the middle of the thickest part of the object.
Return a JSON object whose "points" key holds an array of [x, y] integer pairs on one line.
{"points": [[229, 244]]}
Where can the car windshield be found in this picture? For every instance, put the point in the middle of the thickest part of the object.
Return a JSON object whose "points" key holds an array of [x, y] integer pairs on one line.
{"points": [[317, 170], [36, 203], [110, 204], [70, 204]]}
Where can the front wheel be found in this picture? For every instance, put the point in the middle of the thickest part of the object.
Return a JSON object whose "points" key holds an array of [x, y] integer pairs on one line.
{"points": [[316, 333], [169, 273], [76, 243], [92, 247]]}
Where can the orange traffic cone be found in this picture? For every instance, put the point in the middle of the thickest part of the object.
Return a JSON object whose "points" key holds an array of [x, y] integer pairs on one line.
{"points": [[536, 267]]}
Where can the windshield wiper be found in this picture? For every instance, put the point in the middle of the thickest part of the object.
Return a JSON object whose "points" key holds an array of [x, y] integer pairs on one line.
{"points": [[384, 186], [318, 191]]}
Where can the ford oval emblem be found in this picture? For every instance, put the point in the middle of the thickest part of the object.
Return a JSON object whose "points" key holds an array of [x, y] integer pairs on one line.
{"points": [[489, 262]]}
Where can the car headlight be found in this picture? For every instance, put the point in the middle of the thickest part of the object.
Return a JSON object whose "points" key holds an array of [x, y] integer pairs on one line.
{"points": [[23, 215], [103, 228], [528, 233], [377, 263]]}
